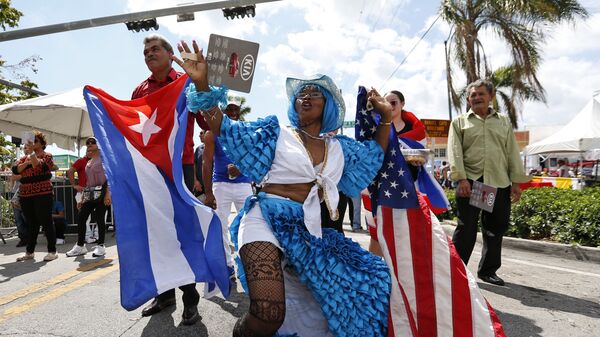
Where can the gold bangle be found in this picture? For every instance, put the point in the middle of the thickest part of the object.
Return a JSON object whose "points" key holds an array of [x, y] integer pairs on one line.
{"points": [[384, 123], [212, 113]]}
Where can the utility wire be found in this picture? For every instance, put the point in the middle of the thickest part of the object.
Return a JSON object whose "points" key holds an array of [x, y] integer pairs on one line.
{"points": [[410, 52]]}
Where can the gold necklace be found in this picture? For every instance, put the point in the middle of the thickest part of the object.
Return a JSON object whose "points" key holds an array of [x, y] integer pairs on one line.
{"points": [[310, 136]]}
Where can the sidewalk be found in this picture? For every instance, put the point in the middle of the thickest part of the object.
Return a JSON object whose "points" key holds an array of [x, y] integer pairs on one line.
{"points": [[561, 250]]}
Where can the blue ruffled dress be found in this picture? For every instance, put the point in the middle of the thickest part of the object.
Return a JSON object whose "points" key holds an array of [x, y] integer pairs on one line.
{"points": [[350, 285]]}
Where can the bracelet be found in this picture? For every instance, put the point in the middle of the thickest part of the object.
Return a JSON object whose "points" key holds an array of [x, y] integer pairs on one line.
{"points": [[212, 112], [205, 100], [384, 123]]}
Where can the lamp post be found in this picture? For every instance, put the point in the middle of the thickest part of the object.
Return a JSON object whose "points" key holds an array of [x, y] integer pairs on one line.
{"points": [[448, 79]]}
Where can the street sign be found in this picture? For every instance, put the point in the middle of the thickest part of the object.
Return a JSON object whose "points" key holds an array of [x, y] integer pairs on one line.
{"points": [[436, 127]]}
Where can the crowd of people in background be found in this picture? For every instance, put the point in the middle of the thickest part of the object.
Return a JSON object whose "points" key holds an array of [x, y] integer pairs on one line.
{"points": [[212, 173]]}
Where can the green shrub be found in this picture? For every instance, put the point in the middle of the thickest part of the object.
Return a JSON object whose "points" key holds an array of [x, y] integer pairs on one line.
{"points": [[7, 216], [451, 213], [556, 214]]}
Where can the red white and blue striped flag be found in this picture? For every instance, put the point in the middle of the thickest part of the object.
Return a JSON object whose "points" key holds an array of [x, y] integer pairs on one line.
{"points": [[165, 237], [432, 294]]}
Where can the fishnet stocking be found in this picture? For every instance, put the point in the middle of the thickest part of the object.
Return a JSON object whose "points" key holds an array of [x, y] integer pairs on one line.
{"points": [[262, 264]]}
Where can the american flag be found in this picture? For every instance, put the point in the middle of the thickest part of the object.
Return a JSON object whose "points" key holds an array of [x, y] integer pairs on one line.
{"points": [[433, 294]]}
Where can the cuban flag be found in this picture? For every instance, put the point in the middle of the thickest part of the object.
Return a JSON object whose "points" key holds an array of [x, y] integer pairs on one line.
{"points": [[165, 238], [432, 293]]}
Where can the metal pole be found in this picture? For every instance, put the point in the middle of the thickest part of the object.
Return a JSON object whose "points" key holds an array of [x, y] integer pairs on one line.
{"points": [[23, 88], [448, 79], [109, 20]]}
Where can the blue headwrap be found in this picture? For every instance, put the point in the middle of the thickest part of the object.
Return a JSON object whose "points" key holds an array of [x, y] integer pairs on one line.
{"points": [[334, 109]]}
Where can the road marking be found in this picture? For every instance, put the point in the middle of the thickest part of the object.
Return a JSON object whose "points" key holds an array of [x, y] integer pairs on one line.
{"points": [[554, 268], [55, 293], [532, 264], [53, 281]]}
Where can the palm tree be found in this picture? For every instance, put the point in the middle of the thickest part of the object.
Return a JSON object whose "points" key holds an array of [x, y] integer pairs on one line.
{"points": [[522, 24], [244, 109]]}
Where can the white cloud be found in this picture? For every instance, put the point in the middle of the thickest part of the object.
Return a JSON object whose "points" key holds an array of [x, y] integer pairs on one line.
{"points": [[363, 42]]}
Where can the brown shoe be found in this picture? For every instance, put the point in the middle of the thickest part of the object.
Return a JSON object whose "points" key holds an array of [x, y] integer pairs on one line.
{"points": [[25, 257]]}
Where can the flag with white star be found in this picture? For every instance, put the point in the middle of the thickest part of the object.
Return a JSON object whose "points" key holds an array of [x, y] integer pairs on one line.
{"points": [[393, 186], [432, 292], [166, 238]]}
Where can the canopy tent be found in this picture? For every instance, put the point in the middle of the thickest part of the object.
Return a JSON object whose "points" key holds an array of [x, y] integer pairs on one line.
{"points": [[581, 134], [62, 117]]}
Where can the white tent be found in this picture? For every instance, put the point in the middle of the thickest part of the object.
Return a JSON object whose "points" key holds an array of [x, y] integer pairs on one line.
{"points": [[581, 134], [62, 117]]}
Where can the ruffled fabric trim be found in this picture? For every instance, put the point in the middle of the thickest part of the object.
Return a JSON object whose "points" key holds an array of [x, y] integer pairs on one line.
{"points": [[351, 285], [204, 100], [362, 162], [250, 145]]}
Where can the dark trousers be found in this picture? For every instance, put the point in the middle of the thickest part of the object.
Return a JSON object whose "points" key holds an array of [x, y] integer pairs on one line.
{"points": [[493, 227], [98, 211], [38, 212], [326, 221], [190, 294], [59, 227]]}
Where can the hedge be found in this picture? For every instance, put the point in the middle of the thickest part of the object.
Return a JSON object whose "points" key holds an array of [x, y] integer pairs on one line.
{"points": [[554, 214], [557, 214]]}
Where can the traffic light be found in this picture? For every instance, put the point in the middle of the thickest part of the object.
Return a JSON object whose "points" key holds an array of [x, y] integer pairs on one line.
{"points": [[239, 12], [145, 24]]}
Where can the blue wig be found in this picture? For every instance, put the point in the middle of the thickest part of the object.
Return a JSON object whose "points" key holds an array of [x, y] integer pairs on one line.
{"points": [[334, 108]]}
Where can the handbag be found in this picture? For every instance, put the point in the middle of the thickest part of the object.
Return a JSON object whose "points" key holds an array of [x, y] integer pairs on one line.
{"points": [[93, 194]]}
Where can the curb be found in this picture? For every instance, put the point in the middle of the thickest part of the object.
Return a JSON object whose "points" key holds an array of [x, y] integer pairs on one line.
{"points": [[571, 252]]}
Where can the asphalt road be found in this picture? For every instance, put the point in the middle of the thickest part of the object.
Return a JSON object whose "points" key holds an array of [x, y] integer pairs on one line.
{"points": [[544, 296]]}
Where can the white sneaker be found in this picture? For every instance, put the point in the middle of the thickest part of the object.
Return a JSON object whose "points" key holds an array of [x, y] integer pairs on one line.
{"points": [[91, 239], [77, 250], [50, 257], [60, 242], [99, 250]]}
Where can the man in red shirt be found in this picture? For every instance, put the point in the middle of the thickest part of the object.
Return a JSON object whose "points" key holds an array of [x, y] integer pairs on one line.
{"points": [[157, 55]]}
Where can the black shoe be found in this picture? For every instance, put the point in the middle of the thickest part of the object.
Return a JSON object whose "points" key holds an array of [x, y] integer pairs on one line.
{"points": [[190, 315], [21, 243], [156, 306], [493, 279]]}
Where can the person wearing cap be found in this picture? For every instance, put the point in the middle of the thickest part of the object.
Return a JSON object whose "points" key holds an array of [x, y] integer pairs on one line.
{"points": [[301, 279], [96, 199], [223, 182], [157, 55]]}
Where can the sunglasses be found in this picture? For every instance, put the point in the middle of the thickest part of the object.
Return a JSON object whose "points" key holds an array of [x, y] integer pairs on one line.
{"points": [[90, 142], [394, 103], [310, 95]]}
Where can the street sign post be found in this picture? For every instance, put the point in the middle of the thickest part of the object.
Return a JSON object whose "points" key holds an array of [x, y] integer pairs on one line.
{"points": [[436, 127]]}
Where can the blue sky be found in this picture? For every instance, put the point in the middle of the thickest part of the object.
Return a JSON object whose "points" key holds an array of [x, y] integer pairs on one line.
{"points": [[357, 42]]}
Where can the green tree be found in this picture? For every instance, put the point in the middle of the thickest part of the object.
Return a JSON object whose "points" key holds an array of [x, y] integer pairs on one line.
{"points": [[7, 152], [9, 17], [244, 109], [522, 24]]}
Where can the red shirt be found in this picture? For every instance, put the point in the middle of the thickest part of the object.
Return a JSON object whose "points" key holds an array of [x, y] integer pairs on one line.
{"points": [[79, 166], [36, 180], [149, 86]]}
